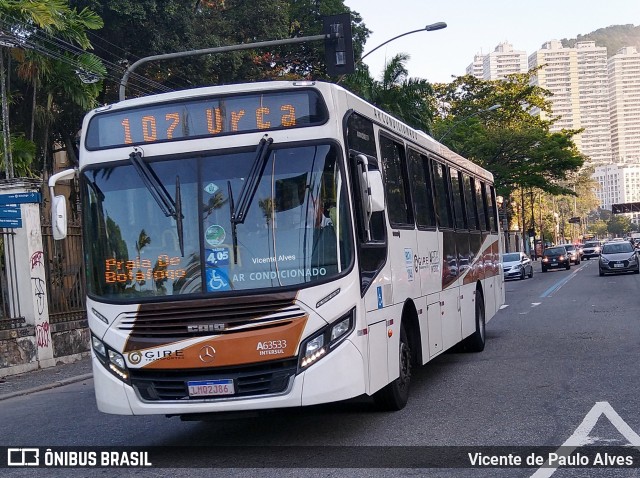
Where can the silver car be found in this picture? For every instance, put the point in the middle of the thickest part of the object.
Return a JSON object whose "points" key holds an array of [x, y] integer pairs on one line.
{"points": [[618, 256], [516, 265]]}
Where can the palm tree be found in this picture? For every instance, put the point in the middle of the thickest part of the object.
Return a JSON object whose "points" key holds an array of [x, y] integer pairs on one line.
{"points": [[408, 99], [22, 24]]}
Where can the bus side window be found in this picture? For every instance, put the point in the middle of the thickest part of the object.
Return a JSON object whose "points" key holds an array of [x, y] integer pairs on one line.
{"points": [[470, 204], [491, 199], [420, 180], [456, 195], [441, 187], [481, 204], [398, 198]]}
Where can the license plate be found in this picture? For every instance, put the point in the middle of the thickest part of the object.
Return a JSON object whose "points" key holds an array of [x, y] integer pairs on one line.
{"points": [[209, 388], [618, 265], [554, 262]]}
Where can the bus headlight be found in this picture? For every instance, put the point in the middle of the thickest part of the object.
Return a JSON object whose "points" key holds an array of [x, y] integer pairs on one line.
{"points": [[325, 340], [98, 346], [113, 361]]}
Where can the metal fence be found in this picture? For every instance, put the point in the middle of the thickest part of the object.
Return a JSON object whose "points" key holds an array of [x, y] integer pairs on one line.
{"points": [[63, 262], [10, 314]]}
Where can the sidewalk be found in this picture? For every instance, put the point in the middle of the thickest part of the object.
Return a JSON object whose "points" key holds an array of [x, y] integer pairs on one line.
{"points": [[44, 379]]}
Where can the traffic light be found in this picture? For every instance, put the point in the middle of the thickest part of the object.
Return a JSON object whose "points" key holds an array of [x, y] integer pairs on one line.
{"points": [[338, 49], [574, 220]]}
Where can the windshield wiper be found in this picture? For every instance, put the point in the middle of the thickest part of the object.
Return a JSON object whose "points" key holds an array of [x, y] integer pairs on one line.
{"points": [[250, 186], [234, 232], [168, 206]]}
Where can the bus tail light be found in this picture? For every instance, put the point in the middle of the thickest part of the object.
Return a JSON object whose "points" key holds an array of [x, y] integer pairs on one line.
{"points": [[325, 340]]}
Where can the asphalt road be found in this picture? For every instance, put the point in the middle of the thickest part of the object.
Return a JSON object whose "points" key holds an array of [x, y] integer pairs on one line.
{"points": [[560, 368]]}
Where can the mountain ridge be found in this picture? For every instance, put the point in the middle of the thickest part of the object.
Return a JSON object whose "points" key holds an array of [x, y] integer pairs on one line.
{"points": [[612, 37]]}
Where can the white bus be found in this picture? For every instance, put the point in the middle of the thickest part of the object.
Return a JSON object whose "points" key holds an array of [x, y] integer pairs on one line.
{"points": [[275, 244]]}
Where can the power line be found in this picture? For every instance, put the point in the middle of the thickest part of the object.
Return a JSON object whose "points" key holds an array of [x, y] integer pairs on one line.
{"points": [[46, 38]]}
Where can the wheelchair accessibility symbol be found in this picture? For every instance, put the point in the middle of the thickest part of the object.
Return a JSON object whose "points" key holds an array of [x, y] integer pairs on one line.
{"points": [[217, 279]]}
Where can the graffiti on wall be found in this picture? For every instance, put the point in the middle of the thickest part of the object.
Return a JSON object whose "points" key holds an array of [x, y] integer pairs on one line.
{"points": [[43, 335]]}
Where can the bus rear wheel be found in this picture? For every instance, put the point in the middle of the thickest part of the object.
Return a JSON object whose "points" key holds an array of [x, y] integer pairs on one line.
{"points": [[395, 395]]}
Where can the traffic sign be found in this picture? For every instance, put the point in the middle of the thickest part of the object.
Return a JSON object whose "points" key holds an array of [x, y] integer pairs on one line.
{"points": [[20, 198], [11, 223], [8, 212], [625, 207]]}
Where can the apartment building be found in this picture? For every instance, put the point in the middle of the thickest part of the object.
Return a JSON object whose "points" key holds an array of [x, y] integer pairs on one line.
{"points": [[503, 61], [618, 183], [578, 79], [624, 104], [476, 66]]}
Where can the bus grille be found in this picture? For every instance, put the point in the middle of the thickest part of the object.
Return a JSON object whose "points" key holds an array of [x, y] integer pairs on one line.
{"points": [[199, 318], [249, 381]]}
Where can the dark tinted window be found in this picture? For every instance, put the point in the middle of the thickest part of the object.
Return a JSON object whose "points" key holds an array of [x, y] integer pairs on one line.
{"points": [[555, 251], [481, 205], [491, 200], [360, 135], [617, 248], [420, 179], [441, 189], [456, 195], [398, 202], [470, 203]]}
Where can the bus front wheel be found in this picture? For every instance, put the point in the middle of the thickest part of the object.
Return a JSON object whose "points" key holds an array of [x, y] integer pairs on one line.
{"points": [[395, 395]]}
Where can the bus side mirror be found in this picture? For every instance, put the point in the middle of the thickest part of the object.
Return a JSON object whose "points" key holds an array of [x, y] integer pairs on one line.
{"points": [[59, 205], [59, 217], [376, 191]]}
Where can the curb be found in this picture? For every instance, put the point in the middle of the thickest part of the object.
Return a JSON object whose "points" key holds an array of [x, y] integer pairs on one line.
{"points": [[48, 386]]}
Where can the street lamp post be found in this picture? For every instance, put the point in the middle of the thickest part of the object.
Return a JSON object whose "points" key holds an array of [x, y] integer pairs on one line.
{"points": [[428, 28]]}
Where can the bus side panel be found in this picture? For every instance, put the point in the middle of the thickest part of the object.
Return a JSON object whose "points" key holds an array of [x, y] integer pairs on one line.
{"points": [[378, 373], [449, 299], [492, 274]]}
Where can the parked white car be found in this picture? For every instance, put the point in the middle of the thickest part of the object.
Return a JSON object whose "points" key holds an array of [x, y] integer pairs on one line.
{"points": [[516, 265]]}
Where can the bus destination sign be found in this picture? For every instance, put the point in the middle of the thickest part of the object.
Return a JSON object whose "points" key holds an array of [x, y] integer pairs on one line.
{"points": [[206, 117]]}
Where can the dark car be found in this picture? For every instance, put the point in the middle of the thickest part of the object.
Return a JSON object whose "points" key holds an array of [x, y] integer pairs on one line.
{"points": [[554, 257], [591, 249], [619, 256], [516, 265], [574, 253]]}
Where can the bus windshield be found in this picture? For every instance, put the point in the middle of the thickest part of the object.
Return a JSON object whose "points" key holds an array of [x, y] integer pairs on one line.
{"points": [[296, 229]]}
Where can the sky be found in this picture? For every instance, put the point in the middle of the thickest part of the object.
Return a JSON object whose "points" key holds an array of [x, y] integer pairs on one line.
{"points": [[477, 26]]}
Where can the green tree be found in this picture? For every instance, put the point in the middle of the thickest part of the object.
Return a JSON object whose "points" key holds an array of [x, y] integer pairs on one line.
{"points": [[140, 28], [598, 228], [46, 38], [408, 99], [511, 142], [619, 225]]}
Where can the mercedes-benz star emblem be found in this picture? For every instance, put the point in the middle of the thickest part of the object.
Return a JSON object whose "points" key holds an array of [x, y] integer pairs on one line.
{"points": [[207, 354]]}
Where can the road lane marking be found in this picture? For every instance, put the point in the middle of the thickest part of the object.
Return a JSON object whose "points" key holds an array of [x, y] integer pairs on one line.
{"points": [[556, 287], [535, 304], [504, 306], [580, 436]]}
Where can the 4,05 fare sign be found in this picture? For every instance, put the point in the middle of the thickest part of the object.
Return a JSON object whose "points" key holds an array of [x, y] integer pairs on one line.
{"points": [[10, 215]]}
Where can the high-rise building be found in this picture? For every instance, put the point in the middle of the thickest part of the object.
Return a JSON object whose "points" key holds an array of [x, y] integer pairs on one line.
{"points": [[503, 61], [624, 104], [619, 183], [475, 68], [577, 77]]}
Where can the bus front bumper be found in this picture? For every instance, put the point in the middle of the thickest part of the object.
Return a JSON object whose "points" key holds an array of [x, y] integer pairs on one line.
{"points": [[338, 376]]}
